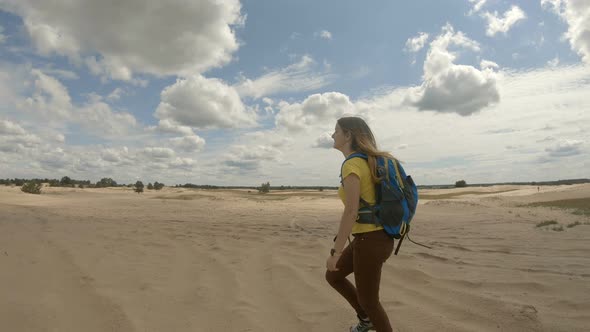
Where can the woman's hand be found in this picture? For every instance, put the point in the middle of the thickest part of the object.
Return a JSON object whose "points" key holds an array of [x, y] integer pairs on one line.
{"points": [[332, 261]]}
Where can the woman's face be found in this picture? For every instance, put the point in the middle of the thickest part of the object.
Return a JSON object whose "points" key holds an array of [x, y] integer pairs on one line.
{"points": [[340, 138]]}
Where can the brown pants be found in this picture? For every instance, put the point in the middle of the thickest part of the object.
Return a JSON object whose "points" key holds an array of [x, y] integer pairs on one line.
{"points": [[365, 257]]}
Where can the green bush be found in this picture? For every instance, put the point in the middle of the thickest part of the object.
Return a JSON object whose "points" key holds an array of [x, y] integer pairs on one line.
{"points": [[138, 187], [31, 188], [264, 188], [461, 184]]}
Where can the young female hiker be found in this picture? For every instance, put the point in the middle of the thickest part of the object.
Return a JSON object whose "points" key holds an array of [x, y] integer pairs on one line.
{"points": [[371, 246]]}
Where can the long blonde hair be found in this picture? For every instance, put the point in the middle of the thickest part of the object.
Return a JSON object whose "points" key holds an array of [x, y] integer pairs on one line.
{"points": [[363, 141]]}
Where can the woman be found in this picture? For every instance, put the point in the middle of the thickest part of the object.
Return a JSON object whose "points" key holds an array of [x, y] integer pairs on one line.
{"points": [[371, 246]]}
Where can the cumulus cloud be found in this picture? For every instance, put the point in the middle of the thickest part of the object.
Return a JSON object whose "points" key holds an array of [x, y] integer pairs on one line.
{"points": [[315, 109], [61, 73], [15, 139], [477, 4], [250, 158], [325, 141], [158, 153], [485, 64], [188, 143], [115, 155], [11, 128], [202, 102], [503, 24], [183, 163], [115, 94], [449, 87], [297, 77], [99, 118], [415, 44], [168, 127], [324, 34], [577, 15], [175, 38], [50, 97], [565, 148], [55, 159]]}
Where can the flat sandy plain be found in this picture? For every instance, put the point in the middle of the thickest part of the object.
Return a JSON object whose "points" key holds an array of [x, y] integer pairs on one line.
{"points": [[196, 260]]}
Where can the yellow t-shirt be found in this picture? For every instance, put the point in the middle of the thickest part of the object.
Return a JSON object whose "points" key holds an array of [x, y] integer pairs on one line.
{"points": [[360, 167]]}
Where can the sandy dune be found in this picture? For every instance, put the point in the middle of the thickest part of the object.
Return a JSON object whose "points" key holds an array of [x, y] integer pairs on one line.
{"points": [[190, 260]]}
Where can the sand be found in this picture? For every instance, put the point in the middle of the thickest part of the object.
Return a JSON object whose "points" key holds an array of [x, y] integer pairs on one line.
{"points": [[196, 260]]}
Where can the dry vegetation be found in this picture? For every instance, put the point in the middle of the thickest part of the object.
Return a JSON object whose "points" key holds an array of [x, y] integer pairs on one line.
{"points": [[461, 193], [579, 206]]}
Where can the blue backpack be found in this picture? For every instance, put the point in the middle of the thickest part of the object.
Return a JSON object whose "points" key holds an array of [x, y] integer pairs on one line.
{"points": [[397, 199]]}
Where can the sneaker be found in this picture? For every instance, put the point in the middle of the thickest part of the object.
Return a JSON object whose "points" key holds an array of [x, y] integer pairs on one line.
{"points": [[363, 325]]}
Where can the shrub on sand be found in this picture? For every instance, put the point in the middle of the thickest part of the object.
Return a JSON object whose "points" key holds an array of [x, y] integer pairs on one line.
{"points": [[264, 188], [31, 188], [138, 187], [547, 223]]}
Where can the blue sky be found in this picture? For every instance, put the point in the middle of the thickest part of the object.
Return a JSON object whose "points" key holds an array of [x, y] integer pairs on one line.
{"points": [[229, 92]]}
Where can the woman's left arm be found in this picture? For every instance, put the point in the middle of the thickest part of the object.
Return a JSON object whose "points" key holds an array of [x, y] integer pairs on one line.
{"points": [[352, 190]]}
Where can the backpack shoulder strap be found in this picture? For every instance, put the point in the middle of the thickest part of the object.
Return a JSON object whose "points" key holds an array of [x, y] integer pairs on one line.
{"points": [[398, 173], [354, 155]]}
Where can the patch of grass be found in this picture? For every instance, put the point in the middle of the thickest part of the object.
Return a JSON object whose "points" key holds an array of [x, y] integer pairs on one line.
{"points": [[579, 206], [547, 223], [462, 193], [573, 224], [558, 228]]}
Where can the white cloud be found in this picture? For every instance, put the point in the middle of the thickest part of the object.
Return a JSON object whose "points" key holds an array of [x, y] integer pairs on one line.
{"points": [[61, 73], [577, 15], [2, 36], [324, 34], [202, 102], [449, 87], [115, 94], [553, 62], [325, 141], [50, 98], [503, 24], [183, 163], [168, 127], [192, 143], [565, 148], [317, 109], [485, 64], [250, 158], [15, 139], [415, 44], [158, 153], [297, 77], [11, 128], [478, 4], [113, 155], [99, 118], [178, 38]]}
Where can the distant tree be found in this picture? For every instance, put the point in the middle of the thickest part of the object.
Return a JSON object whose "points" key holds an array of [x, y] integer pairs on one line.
{"points": [[138, 187], [158, 185], [321, 189], [106, 182], [81, 186], [461, 184], [66, 182], [31, 188], [264, 188], [150, 186]]}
